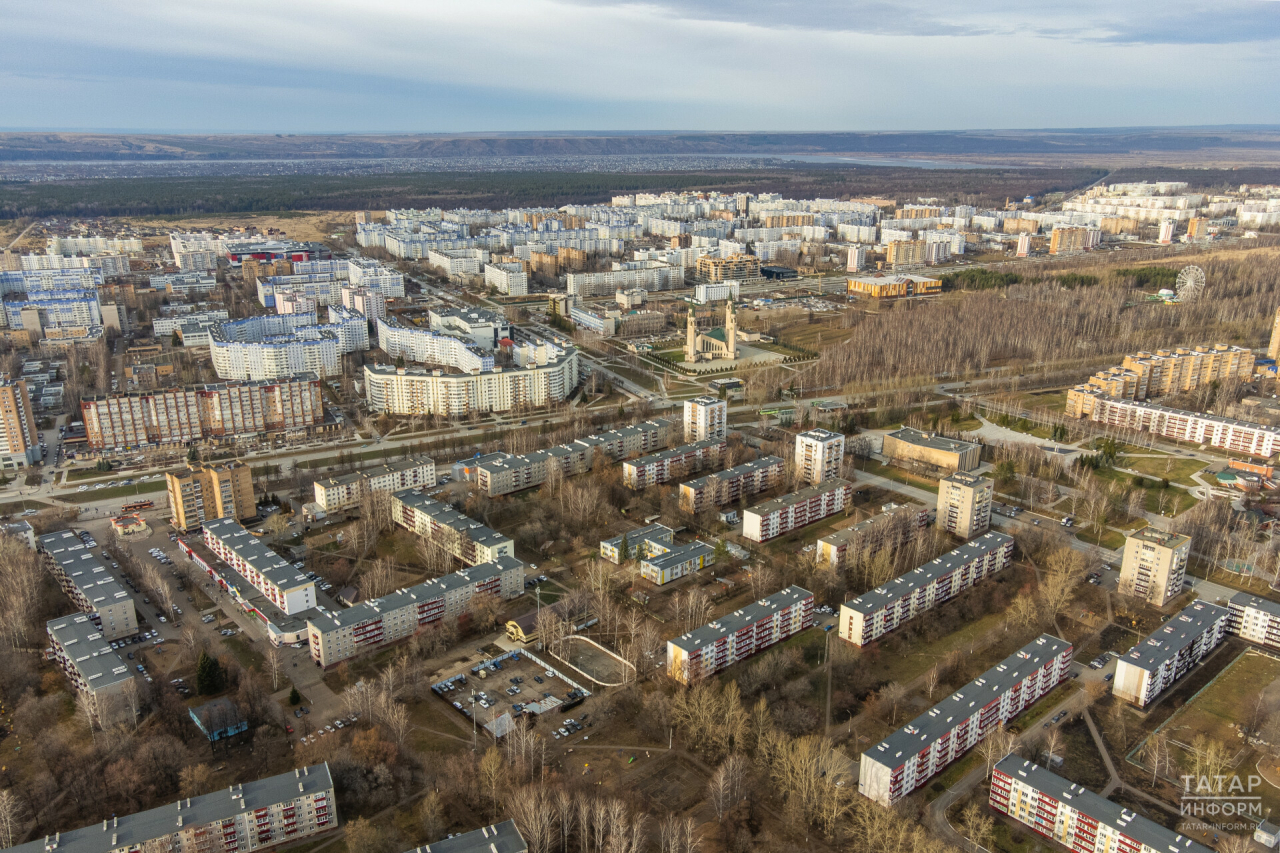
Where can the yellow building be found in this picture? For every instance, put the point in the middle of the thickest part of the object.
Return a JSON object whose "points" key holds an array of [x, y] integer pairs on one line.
{"points": [[1068, 239], [735, 267], [19, 441], [1274, 347], [913, 448], [907, 253], [1197, 228], [892, 287], [1021, 226], [788, 220], [205, 492], [1154, 566], [1145, 375]]}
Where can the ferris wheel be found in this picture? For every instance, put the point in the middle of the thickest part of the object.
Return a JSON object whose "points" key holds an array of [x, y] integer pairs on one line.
{"points": [[1190, 283]]}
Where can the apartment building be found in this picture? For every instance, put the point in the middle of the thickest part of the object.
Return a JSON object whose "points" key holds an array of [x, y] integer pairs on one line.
{"points": [[162, 327], [1161, 659], [469, 541], [909, 446], [894, 525], [89, 584], [1068, 239], [664, 564], [245, 817], [650, 275], [731, 485], [777, 517], [19, 440], [549, 374], [338, 493], [705, 294], [366, 301], [1154, 565], [202, 493], [1273, 347], [1144, 375], [737, 636], [874, 614], [176, 416], [964, 504], [507, 279], [1074, 816], [881, 286], [496, 838], [272, 575], [736, 267], [909, 757], [638, 544], [183, 283], [1254, 619], [819, 454], [86, 657], [1192, 427], [504, 473], [705, 417], [667, 465], [338, 635]]}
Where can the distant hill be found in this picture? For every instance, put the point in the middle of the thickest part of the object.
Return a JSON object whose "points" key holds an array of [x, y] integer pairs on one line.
{"points": [[212, 147]]}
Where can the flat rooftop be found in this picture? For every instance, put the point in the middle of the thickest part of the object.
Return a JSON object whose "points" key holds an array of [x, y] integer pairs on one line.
{"points": [[738, 619], [447, 516], [820, 434], [807, 493], [1244, 600], [904, 585], [846, 534], [639, 535], [964, 478], [932, 441], [1174, 636], [136, 830], [1160, 537], [746, 469], [84, 568], [679, 554], [675, 452], [99, 665], [1135, 826], [967, 701], [249, 548], [497, 838]]}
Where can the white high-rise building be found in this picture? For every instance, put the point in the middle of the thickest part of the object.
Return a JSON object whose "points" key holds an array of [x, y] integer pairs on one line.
{"points": [[705, 417], [819, 453]]}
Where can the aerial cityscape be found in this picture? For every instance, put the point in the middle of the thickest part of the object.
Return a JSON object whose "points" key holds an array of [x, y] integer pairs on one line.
{"points": [[390, 464]]}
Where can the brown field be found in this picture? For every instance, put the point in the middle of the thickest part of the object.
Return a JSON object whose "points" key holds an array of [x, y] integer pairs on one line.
{"points": [[300, 225]]}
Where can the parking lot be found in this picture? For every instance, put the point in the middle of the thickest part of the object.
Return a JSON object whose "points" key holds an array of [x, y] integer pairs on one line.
{"points": [[520, 685]]}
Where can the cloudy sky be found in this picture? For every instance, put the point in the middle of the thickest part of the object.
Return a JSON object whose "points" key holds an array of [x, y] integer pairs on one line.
{"points": [[545, 65]]}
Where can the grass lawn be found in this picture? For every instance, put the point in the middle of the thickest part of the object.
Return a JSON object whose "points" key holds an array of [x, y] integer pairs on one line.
{"points": [[1028, 718], [248, 657], [904, 668], [1230, 699], [10, 507], [1176, 501], [1179, 472], [114, 492], [327, 461], [1111, 539], [1003, 838], [89, 474], [1044, 400], [899, 476]]}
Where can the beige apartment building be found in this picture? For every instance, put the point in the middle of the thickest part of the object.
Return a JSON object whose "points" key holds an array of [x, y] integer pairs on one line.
{"points": [[819, 453], [964, 504], [19, 441], [1144, 375], [1273, 349], [735, 267], [1155, 563], [205, 492]]}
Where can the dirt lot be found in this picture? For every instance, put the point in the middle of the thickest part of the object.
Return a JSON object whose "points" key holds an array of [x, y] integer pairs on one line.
{"points": [[302, 225]]}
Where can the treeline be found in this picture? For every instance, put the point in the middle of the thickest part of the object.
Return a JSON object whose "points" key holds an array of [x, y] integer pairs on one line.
{"points": [[186, 196], [988, 279]]}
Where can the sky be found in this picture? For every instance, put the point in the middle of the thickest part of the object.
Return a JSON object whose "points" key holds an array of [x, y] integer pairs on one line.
{"points": [[443, 66]]}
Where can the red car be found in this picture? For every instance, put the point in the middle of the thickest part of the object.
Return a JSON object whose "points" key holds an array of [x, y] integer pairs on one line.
{"points": [[288, 728]]}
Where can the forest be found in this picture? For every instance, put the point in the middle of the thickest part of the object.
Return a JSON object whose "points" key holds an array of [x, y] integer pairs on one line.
{"points": [[240, 194]]}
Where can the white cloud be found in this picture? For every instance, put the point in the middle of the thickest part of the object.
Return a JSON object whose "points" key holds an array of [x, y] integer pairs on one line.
{"points": [[541, 64]]}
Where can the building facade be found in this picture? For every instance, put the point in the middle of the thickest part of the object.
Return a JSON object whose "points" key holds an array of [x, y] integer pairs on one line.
{"points": [[1192, 427], [874, 614], [202, 493], [1255, 619], [1074, 816], [705, 417], [19, 440], [819, 455], [1144, 375], [249, 816], [910, 446], [87, 659], [964, 504], [915, 753], [469, 541], [895, 525], [1154, 566], [731, 485], [664, 564], [177, 416], [275, 577], [338, 493], [777, 517], [338, 635], [737, 636], [667, 465], [637, 544], [1154, 664]]}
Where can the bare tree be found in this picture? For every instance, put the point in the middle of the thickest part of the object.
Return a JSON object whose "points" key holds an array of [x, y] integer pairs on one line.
{"points": [[931, 680], [273, 663], [13, 812]]}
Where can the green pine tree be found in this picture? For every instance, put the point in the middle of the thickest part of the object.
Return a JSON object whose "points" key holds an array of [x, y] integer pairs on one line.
{"points": [[210, 676], [625, 549], [295, 698], [721, 550]]}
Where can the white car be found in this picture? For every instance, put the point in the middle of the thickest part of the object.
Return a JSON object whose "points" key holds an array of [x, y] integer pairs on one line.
{"points": [[82, 489]]}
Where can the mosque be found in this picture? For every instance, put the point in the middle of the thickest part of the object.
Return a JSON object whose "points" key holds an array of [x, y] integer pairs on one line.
{"points": [[721, 343]]}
